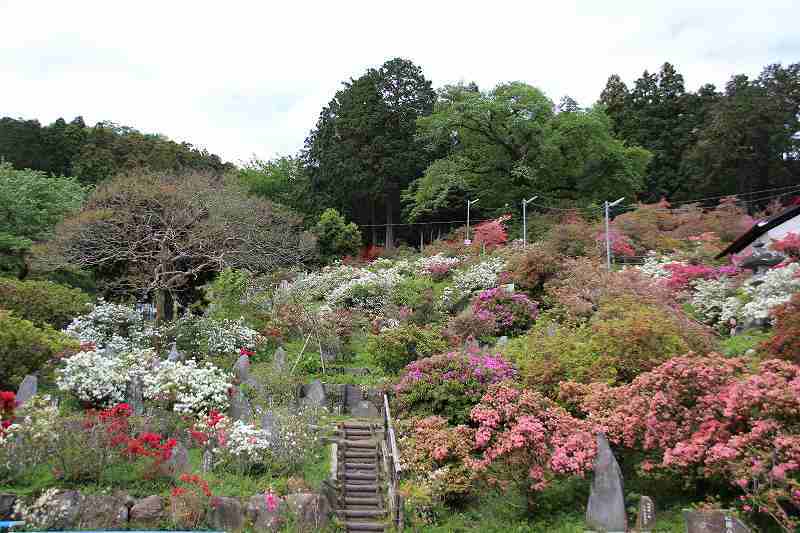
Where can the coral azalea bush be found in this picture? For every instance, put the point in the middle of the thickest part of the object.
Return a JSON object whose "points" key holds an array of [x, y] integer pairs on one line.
{"points": [[711, 417]]}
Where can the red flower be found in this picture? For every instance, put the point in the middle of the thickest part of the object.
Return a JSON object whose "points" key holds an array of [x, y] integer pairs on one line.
{"points": [[245, 351]]}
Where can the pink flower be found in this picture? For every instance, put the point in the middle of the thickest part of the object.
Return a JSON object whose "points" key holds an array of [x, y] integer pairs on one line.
{"points": [[271, 500]]}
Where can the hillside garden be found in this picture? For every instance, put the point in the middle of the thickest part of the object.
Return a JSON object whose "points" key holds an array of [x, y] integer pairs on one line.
{"points": [[502, 361]]}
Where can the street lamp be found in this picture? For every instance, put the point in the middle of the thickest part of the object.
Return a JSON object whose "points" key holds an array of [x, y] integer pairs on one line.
{"points": [[470, 203], [608, 206], [525, 220]]}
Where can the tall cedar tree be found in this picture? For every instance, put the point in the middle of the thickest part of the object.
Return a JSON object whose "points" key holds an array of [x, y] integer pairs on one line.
{"points": [[364, 149]]}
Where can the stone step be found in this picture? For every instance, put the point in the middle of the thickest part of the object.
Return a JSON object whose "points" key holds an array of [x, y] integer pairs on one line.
{"points": [[352, 431], [360, 466], [368, 444], [360, 475], [361, 500], [364, 526], [355, 454], [360, 487], [362, 513], [356, 425]]}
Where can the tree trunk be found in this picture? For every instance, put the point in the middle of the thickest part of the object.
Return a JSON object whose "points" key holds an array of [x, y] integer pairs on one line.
{"points": [[165, 305]]}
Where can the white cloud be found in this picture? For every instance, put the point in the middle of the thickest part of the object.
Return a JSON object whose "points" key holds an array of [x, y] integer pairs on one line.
{"points": [[244, 78]]}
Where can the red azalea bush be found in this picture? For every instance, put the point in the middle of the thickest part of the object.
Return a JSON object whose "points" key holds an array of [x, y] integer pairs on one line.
{"points": [[507, 313], [711, 417], [8, 404], [574, 237], [681, 275], [785, 340], [492, 233], [190, 499], [532, 269], [789, 246], [621, 244]]}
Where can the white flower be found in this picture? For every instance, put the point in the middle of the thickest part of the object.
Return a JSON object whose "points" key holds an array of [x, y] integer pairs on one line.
{"points": [[761, 294], [484, 275]]}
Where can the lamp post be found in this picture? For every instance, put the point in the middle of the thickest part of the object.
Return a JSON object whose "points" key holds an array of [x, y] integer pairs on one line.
{"points": [[608, 206], [470, 203], [525, 220]]}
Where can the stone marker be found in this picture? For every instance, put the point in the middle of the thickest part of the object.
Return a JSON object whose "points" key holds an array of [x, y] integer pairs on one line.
{"points": [[312, 511], [606, 509], [178, 462], [174, 354], [268, 423], [208, 460], [27, 389], [7, 502], [315, 394], [134, 395], [279, 359], [241, 370], [225, 514], [646, 518], [147, 510], [240, 406], [713, 522], [501, 342]]}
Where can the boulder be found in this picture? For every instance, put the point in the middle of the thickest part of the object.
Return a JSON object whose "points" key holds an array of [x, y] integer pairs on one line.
{"points": [[261, 517], [279, 359], [225, 514], [103, 512], [149, 510], [54, 510], [241, 370], [311, 511]]}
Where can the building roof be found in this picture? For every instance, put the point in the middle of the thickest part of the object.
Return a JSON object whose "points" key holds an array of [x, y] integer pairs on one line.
{"points": [[758, 229]]}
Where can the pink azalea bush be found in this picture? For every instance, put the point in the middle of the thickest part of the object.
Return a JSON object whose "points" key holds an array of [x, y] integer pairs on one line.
{"points": [[712, 417], [789, 246], [450, 384], [507, 313], [621, 244]]}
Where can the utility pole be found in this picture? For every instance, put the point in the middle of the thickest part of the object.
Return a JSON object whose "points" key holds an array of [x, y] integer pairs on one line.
{"points": [[525, 220], [470, 203], [608, 206]]}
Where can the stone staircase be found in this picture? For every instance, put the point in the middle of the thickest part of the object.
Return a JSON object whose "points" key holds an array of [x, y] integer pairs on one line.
{"points": [[361, 480]]}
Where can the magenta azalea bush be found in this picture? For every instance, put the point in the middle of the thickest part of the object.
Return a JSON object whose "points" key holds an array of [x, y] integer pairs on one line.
{"points": [[681, 275], [508, 313], [450, 384]]}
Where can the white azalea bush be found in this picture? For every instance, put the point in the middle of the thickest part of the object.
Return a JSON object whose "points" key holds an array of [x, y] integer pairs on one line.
{"points": [[316, 286], [369, 292], [113, 327], [28, 441], [760, 294], [187, 386], [709, 298], [653, 266], [100, 378], [483, 275], [209, 337], [438, 266]]}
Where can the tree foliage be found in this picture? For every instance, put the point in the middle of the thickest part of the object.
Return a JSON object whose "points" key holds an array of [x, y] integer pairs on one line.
{"points": [[163, 232], [507, 142], [336, 237]]}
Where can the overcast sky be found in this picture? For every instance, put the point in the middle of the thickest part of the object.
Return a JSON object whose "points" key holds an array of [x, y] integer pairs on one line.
{"points": [[243, 78]]}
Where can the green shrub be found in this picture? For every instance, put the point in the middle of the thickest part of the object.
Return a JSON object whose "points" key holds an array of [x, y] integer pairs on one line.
{"points": [[336, 237], [42, 302], [26, 349], [394, 348], [418, 295], [623, 339]]}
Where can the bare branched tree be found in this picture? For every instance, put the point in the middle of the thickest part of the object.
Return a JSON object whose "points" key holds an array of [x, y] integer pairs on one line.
{"points": [[156, 233]]}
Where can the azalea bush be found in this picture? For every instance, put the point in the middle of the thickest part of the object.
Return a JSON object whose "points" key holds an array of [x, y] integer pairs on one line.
{"points": [[26, 435], [100, 379], [483, 275], [43, 302], [394, 348], [760, 295], [785, 340], [531, 269], [449, 385], [709, 298], [713, 417], [27, 349], [525, 438], [508, 313], [437, 266], [111, 326], [207, 337], [789, 245]]}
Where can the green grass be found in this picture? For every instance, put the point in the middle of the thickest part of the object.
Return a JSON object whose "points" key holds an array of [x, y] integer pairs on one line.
{"points": [[739, 344]]}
